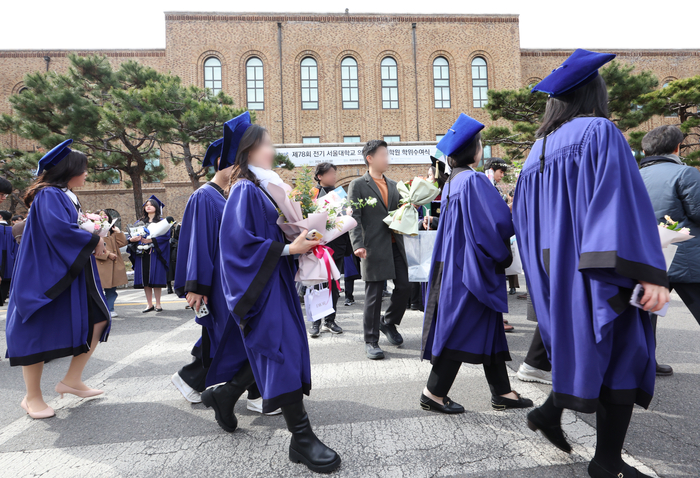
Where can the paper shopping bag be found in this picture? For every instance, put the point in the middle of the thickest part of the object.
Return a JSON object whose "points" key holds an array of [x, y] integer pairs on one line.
{"points": [[419, 255], [318, 304]]}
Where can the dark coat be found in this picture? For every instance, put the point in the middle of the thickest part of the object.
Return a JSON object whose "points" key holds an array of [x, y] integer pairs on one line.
{"points": [[674, 190], [371, 233]]}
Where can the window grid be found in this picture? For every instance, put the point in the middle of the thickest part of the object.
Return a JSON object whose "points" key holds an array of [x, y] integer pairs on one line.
{"points": [[212, 75], [254, 84], [480, 82], [390, 84], [441, 82], [152, 163], [309, 84], [310, 140], [349, 84], [671, 115], [392, 139], [351, 139]]}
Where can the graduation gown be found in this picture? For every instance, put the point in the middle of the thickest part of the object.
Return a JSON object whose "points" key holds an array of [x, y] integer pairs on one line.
{"points": [[259, 288], [8, 250], [587, 234], [466, 292], [198, 270], [151, 268], [56, 296]]}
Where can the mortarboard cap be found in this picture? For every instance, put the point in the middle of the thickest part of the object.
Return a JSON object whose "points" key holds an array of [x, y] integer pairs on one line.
{"points": [[160, 205], [439, 165], [233, 132], [213, 152], [53, 157], [459, 135], [576, 71]]}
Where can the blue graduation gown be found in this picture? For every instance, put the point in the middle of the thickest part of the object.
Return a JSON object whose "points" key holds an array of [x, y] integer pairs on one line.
{"points": [[587, 233], [56, 295], [466, 292], [259, 289], [154, 273], [8, 250], [198, 270]]}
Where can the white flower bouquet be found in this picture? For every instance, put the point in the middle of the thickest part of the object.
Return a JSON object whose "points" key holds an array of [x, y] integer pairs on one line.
{"points": [[671, 233]]}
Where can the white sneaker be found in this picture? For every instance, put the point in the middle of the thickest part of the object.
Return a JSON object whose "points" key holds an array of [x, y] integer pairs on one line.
{"points": [[190, 394], [256, 405], [114, 314], [527, 373]]}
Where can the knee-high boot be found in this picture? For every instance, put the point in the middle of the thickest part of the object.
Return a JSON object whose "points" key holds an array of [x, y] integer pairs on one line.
{"points": [[224, 397], [305, 446]]}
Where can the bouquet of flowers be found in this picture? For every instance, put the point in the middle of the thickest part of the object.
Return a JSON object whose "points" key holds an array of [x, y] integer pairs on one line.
{"points": [[95, 223], [418, 192], [139, 229], [670, 232], [329, 215]]}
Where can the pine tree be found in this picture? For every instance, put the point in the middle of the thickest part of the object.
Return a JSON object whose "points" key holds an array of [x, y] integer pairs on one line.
{"points": [[680, 99], [106, 112], [19, 168], [524, 110]]}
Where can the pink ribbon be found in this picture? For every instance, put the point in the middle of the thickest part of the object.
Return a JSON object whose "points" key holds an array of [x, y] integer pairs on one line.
{"points": [[326, 253]]}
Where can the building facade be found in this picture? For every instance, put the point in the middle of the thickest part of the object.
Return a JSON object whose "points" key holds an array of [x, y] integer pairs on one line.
{"points": [[336, 78]]}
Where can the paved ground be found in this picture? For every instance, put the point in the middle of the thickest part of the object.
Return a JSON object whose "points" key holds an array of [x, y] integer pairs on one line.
{"points": [[368, 411]]}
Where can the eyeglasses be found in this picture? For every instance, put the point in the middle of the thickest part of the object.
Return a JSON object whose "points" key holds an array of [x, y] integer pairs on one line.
{"points": [[3, 196]]}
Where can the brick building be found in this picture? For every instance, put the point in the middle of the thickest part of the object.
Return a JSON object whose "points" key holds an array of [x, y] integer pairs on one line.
{"points": [[335, 78]]}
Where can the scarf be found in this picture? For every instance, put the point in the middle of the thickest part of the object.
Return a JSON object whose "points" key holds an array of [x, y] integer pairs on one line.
{"points": [[265, 176]]}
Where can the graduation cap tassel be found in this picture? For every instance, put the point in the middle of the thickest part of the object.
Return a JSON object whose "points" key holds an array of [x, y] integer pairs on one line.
{"points": [[544, 145]]}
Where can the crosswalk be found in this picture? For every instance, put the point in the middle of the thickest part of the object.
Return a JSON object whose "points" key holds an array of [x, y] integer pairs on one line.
{"points": [[366, 410]]}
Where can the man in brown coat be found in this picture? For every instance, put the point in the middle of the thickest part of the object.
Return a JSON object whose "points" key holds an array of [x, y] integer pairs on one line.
{"points": [[111, 267]]}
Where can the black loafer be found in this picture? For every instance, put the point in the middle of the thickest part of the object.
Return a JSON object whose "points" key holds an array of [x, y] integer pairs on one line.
{"points": [[449, 406], [373, 351], [389, 330], [148, 309], [663, 370], [502, 403], [553, 433], [596, 470]]}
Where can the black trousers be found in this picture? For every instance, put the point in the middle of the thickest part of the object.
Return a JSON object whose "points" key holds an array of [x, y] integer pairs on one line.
{"points": [[444, 372], [194, 373], [398, 301], [537, 355], [416, 298], [690, 295], [350, 289], [4, 290]]}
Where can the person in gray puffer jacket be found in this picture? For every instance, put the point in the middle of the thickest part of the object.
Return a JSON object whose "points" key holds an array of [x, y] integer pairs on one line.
{"points": [[674, 189]]}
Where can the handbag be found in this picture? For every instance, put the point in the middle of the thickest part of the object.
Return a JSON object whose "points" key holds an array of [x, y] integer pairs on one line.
{"points": [[516, 267], [318, 303]]}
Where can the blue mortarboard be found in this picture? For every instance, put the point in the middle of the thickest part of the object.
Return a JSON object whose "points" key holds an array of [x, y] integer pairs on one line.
{"points": [[576, 71], [233, 132], [459, 135], [213, 152], [157, 201], [53, 157]]}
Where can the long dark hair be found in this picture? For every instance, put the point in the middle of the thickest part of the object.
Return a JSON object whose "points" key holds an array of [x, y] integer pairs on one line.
{"points": [[466, 155], [153, 203], [589, 100], [75, 164], [251, 139]]}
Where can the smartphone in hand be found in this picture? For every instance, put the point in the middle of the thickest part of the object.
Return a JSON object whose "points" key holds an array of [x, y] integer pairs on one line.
{"points": [[313, 235], [637, 295], [203, 310]]}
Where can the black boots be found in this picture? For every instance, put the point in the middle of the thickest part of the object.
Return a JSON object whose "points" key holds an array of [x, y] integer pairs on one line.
{"points": [[305, 447], [224, 397]]}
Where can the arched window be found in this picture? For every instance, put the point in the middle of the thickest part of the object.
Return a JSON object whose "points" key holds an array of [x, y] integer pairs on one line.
{"points": [[390, 84], [212, 74], [672, 114], [22, 90], [254, 84], [480, 82], [309, 84], [441, 82], [348, 78]]}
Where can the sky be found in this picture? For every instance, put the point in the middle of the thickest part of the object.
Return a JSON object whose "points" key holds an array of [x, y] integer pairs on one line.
{"points": [[595, 24]]}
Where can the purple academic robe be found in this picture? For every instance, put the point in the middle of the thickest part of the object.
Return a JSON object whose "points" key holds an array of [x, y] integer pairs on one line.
{"points": [[259, 288], [8, 251], [56, 294], [151, 268], [587, 233], [466, 293], [199, 270]]}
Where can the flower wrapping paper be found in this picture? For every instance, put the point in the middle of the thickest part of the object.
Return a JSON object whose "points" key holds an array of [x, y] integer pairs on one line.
{"points": [[404, 220]]}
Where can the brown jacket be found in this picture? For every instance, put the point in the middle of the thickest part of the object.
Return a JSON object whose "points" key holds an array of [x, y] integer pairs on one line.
{"points": [[112, 273]]}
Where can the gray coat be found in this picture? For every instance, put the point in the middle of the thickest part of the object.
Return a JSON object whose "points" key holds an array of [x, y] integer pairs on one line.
{"points": [[371, 233], [674, 190]]}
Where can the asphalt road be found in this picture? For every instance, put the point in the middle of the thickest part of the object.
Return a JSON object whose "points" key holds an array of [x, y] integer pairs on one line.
{"points": [[368, 411]]}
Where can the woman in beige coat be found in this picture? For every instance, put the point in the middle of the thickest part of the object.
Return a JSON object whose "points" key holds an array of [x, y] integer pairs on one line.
{"points": [[111, 267]]}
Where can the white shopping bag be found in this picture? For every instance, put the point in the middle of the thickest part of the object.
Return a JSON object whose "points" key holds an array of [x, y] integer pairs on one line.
{"points": [[318, 304], [419, 255], [516, 267]]}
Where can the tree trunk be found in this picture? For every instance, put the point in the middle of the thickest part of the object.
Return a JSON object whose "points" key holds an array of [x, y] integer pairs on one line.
{"points": [[135, 177], [187, 159]]}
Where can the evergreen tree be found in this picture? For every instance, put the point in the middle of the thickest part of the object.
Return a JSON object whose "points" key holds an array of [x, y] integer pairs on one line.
{"points": [[680, 99], [524, 110], [105, 111], [19, 168], [282, 161]]}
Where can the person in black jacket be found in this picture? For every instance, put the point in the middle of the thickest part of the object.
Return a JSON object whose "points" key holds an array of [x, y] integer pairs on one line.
{"points": [[174, 238], [325, 176]]}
